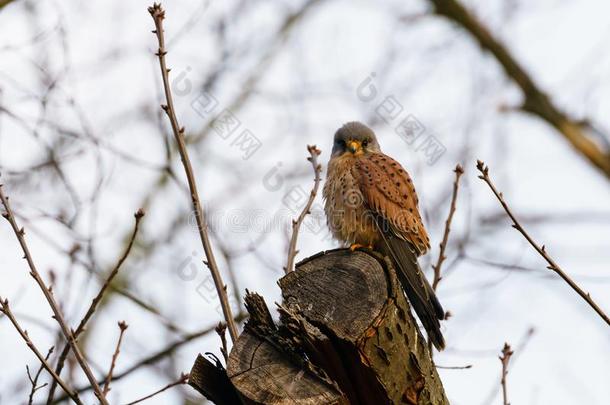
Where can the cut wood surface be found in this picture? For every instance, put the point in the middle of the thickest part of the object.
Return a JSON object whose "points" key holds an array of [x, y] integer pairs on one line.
{"points": [[345, 336]]}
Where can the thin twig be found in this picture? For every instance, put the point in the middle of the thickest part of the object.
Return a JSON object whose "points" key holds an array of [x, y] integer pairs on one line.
{"points": [[48, 293], [182, 380], [520, 349], [6, 310], [157, 356], [296, 225], [466, 367], [123, 327], [95, 302], [540, 249], [34, 381], [220, 330], [443, 245], [158, 14], [505, 359]]}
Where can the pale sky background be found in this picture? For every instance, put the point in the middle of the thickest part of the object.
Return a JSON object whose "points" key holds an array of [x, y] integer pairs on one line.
{"points": [[93, 65]]}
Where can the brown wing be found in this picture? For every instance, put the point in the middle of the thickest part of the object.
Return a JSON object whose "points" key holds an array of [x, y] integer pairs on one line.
{"points": [[388, 191]]}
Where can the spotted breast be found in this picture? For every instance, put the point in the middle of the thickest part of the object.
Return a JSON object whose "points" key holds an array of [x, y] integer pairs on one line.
{"points": [[348, 216]]}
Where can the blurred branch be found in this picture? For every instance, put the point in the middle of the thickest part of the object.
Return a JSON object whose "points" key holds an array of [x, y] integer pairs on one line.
{"points": [[157, 356], [441, 255], [576, 217], [92, 268], [163, 179], [48, 293], [182, 380], [540, 249], [129, 295], [505, 359], [5, 3], [95, 302], [158, 14], [228, 255], [247, 87], [6, 310], [296, 225], [34, 381], [123, 327], [535, 102]]}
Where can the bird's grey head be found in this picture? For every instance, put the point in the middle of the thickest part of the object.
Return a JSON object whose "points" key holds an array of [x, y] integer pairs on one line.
{"points": [[355, 138]]}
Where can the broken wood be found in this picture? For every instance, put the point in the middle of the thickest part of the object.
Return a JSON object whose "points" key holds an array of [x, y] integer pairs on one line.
{"points": [[345, 336]]}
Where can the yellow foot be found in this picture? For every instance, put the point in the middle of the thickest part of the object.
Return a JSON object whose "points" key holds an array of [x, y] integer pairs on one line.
{"points": [[355, 246]]}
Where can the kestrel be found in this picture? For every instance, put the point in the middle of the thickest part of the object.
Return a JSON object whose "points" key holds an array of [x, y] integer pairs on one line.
{"points": [[370, 201]]}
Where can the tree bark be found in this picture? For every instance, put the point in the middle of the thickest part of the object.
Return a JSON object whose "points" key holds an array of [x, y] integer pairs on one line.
{"points": [[345, 336]]}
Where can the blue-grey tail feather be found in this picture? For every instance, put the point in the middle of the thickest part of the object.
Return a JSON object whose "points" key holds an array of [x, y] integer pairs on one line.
{"points": [[414, 283]]}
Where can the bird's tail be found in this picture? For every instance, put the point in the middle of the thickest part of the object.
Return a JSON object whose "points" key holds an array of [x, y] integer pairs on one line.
{"points": [[416, 286]]}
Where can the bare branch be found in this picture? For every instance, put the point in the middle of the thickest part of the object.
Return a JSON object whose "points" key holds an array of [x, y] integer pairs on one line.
{"points": [[466, 367], [95, 302], [157, 356], [34, 381], [296, 225], [6, 310], [520, 349], [123, 327], [540, 249], [58, 316], [220, 330], [158, 14], [182, 380], [443, 245], [505, 359]]}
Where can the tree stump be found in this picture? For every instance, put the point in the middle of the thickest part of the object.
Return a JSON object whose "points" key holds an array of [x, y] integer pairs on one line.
{"points": [[345, 336]]}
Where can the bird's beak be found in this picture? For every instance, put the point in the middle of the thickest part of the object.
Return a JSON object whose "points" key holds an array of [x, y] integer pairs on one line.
{"points": [[354, 146]]}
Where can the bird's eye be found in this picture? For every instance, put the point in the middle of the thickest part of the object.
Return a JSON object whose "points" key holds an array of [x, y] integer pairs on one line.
{"points": [[365, 143], [340, 142]]}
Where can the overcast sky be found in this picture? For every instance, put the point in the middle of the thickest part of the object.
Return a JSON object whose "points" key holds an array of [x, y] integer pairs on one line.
{"points": [[81, 77]]}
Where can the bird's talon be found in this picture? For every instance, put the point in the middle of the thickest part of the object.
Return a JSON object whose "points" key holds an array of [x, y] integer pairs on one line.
{"points": [[355, 246]]}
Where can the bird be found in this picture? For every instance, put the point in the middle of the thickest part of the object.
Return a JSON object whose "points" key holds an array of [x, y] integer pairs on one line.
{"points": [[370, 202]]}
